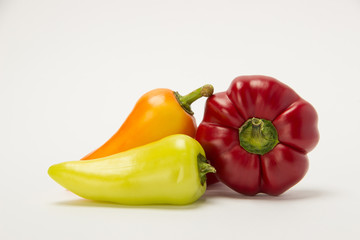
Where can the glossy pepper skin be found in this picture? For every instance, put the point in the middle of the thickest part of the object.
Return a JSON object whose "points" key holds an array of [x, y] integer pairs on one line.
{"points": [[168, 171], [157, 114], [257, 135]]}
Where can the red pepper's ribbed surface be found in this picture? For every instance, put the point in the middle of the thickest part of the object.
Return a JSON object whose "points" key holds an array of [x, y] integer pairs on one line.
{"points": [[265, 98]]}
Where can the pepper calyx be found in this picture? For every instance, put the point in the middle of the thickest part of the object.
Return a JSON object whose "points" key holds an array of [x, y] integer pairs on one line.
{"points": [[258, 136], [204, 168]]}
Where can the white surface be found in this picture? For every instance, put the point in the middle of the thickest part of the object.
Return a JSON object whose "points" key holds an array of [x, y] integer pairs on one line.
{"points": [[71, 71]]}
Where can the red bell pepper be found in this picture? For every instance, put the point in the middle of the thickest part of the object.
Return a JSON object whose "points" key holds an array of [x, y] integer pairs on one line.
{"points": [[257, 135]]}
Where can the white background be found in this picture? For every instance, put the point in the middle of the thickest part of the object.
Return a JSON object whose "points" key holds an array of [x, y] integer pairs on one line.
{"points": [[71, 71]]}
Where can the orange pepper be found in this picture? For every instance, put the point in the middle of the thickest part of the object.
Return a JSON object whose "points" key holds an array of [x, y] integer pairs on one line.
{"points": [[157, 114]]}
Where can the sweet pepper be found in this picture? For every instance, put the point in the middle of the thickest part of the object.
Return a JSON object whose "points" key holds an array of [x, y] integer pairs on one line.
{"points": [[168, 171], [157, 114], [257, 135]]}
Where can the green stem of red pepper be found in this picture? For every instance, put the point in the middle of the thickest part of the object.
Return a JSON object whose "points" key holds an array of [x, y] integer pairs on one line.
{"points": [[258, 136]]}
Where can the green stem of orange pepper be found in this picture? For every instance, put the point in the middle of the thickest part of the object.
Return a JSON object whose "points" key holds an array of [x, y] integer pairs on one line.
{"points": [[186, 100]]}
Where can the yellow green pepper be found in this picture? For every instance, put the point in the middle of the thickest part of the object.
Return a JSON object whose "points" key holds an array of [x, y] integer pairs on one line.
{"points": [[169, 171]]}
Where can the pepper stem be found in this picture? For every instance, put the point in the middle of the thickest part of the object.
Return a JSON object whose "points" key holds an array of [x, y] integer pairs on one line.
{"points": [[257, 125], [204, 168], [186, 100], [258, 136]]}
